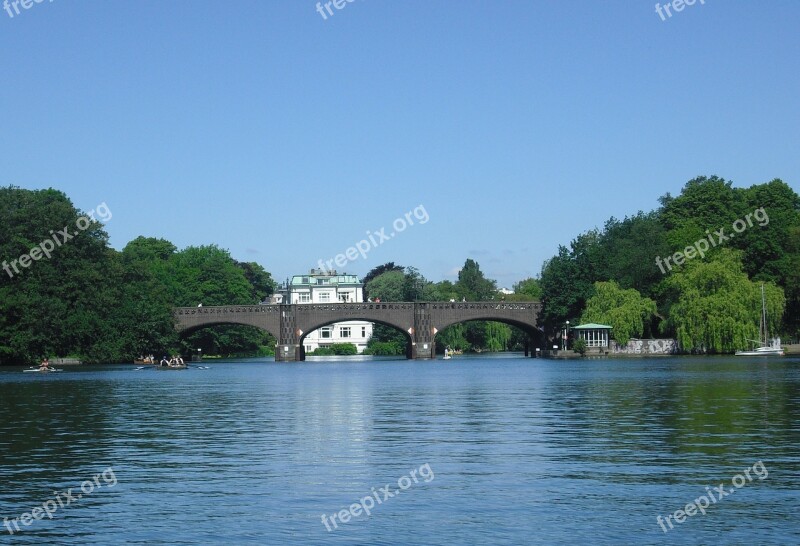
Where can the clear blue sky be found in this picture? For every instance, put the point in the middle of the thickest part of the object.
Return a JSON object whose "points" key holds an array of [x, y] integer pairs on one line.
{"points": [[284, 137]]}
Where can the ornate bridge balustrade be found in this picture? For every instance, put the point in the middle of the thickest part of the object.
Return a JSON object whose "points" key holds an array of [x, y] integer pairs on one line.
{"points": [[419, 321]]}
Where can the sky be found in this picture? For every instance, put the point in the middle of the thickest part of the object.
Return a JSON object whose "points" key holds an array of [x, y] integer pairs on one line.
{"points": [[287, 137]]}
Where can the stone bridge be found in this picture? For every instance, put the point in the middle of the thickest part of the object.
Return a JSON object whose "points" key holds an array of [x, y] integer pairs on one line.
{"points": [[420, 321]]}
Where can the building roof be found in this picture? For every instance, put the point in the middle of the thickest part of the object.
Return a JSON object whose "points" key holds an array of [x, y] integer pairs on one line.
{"points": [[325, 280], [593, 326]]}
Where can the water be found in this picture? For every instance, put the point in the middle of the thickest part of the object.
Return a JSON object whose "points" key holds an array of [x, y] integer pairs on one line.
{"points": [[519, 451]]}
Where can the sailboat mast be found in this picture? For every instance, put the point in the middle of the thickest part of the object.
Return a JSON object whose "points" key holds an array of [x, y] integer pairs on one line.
{"points": [[763, 328]]}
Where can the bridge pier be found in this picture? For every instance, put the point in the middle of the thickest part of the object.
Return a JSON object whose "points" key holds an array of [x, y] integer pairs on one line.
{"points": [[422, 351], [289, 353]]}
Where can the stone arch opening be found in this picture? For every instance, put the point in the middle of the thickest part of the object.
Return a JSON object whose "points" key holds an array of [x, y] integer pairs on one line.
{"points": [[207, 343], [533, 337], [322, 324]]}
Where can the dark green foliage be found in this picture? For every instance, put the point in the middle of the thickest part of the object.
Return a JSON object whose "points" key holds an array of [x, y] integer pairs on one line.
{"points": [[336, 349], [376, 272], [90, 301], [385, 348], [472, 284], [625, 252]]}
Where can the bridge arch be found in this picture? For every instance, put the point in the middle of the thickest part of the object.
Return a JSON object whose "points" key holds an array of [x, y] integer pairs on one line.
{"points": [[408, 337], [535, 337], [191, 319]]}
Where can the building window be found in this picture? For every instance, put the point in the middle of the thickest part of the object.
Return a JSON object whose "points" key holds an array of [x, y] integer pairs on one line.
{"points": [[325, 297], [326, 333], [344, 331], [308, 348], [363, 331], [305, 280], [305, 298], [344, 298]]}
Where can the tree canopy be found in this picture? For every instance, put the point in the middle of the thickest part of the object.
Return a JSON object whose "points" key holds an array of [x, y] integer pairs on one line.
{"points": [[745, 234], [626, 311]]}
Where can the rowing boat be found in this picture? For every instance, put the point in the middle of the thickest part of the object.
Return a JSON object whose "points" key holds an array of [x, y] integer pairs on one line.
{"points": [[42, 370]]}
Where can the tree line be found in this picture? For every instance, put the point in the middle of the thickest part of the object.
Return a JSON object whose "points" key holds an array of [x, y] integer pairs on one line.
{"points": [[93, 302], [710, 301]]}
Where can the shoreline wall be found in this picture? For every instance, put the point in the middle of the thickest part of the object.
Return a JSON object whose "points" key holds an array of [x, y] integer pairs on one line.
{"points": [[645, 347]]}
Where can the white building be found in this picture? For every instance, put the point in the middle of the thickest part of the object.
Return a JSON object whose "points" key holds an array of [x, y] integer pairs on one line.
{"points": [[329, 287]]}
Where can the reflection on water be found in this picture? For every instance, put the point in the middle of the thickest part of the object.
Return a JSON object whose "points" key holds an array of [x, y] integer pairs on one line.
{"points": [[524, 451]]}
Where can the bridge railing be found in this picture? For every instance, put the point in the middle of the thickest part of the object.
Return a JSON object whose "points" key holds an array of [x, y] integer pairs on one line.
{"points": [[405, 305], [502, 306], [224, 309], [354, 306]]}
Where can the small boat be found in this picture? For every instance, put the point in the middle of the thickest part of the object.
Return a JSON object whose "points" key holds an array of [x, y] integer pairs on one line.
{"points": [[766, 348], [762, 351], [42, 370], [145, 361], [184, 367]]}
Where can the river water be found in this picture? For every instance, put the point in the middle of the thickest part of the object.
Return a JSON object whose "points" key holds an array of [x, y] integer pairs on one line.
{"points": [[475, 450]]}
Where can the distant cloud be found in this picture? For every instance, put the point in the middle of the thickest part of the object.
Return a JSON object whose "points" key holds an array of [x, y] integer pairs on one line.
{"points": [[479, 252], [252, 250]]}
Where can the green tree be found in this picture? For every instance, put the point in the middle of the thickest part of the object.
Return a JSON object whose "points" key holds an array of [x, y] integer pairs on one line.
{"points": [[454, 337], [472, 284], [717, 307], [498, 336], [527, 290], [626, 311], [579, 346], [376, 272], [61, 304], [389, 286], [261, 283], [628, 249], [565, 289], [704, 204]]}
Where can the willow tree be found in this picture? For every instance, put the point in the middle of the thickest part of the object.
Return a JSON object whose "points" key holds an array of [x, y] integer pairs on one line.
{"points": [[626, 311], [718, 308]]}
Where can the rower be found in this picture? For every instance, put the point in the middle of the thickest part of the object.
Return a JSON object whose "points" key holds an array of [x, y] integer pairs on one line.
{"points": [[45, 364]]}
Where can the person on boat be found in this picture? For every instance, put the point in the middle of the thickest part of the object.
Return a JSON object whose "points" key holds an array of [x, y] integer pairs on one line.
{"points": [[164, 361], [45, 365], [179, 360]]}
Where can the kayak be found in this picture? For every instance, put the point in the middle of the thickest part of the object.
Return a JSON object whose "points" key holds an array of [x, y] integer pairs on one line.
{"points": [[171, 367], [37, 370]]}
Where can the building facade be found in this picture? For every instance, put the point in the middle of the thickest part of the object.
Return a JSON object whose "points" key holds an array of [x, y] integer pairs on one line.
{"points": [[328, 287]]}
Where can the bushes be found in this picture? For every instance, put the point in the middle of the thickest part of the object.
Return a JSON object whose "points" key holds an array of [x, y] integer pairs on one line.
{"points": [[336, 349], [385, 348], [579, 346]]}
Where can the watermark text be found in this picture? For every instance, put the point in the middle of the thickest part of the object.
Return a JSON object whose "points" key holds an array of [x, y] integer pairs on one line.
{"points": [[366, 504]]}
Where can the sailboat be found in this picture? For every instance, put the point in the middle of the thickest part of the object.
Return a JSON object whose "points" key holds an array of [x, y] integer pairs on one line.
{"points": [[766, 348]]}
